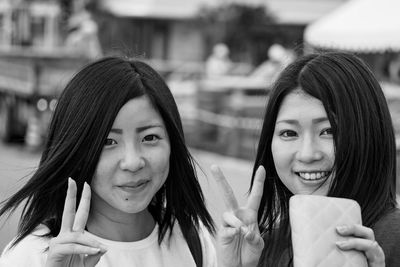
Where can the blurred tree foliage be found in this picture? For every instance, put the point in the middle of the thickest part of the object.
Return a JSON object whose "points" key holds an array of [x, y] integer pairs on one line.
{"points": [[66, 11], [248, 31]]}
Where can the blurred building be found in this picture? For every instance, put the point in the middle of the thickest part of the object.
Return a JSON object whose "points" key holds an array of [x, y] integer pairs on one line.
{"points": [[35, 63], [169, 30], [33, 24]]}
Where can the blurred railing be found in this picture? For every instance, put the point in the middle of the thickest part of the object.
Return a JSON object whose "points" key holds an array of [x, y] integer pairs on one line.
{"points": [[222, 115]]}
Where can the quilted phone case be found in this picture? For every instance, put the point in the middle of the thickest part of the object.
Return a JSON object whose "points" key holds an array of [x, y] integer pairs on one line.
{"points": [[313, 220]]}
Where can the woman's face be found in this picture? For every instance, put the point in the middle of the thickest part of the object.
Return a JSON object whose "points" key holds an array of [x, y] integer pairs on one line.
{"points": [[134, 163], [302, 145]]}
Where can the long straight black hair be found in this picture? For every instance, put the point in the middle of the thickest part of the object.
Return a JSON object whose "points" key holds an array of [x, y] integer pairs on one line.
{"points": [[365, 150], [82, 120]]}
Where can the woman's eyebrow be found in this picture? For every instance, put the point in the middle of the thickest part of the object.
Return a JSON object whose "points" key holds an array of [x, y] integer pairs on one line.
{"points": [[116, 130], [139, 129], [289, 121], [319, 120], [144, 128]]}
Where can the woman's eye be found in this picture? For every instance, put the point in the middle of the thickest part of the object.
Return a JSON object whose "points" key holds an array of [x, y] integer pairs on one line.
{"points": [[288, 133], [327, 131], [110, 142], [151, 138]]}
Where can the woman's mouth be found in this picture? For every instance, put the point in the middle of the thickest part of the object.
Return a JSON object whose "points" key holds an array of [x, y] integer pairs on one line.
{"points": [[314, 176], [134, 186]]}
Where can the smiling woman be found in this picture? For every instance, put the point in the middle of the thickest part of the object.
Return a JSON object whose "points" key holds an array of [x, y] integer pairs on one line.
{"points": [[117, 132], [327, 130], [134, 163], [302, 145]]}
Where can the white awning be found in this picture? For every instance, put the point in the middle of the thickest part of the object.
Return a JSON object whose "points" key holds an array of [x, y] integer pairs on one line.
{"points": [[162, 9], [298, 12], [368, 26]]}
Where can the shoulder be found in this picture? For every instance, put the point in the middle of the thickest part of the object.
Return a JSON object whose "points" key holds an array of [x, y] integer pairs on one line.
{"points": [[203, 233], [30, 251], [387, 234], [206, 238], [277, 250], [206, 242], [388, 223], [207, 246]]}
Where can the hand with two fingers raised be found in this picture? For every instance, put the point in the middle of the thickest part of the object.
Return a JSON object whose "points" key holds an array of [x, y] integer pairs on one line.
{"points": [[239, 241], [362, 238], [72, 247]]}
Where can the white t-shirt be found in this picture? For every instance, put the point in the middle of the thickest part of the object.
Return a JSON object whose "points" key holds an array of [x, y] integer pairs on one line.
{"points": [[31, 251]]}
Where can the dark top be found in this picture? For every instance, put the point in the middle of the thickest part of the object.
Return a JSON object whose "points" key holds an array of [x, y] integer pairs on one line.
{"points": [[387, 234]]}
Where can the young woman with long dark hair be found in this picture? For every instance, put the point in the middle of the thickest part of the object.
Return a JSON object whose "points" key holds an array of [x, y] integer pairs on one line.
{"points": [[116, 146], [327, 131]]}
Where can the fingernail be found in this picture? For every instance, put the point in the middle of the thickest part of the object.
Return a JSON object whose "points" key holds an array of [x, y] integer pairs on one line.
{"points": [[244, 229], [95, 250], [250, 236], [260, 168], [103, 248], [341, 228]]}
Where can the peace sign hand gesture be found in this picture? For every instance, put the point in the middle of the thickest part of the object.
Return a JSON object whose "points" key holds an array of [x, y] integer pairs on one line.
{"points": [[72, 247], [239, 241]]}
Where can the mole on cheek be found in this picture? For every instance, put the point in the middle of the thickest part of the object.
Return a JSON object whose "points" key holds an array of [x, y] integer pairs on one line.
{"points": [[126, 199]]}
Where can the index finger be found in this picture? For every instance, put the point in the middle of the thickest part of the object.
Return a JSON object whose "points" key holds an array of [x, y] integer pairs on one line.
{"points": [[68, 215], [83, 210], [357, 230], [257, 189], [229, 196]]}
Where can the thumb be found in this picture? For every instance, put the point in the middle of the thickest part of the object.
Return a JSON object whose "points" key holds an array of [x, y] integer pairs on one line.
{"points": [[227, 235], [253, 238]]}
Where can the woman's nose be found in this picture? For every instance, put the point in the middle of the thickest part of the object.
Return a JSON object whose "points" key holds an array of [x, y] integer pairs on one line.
{"points": [[132, 159], [308, 150]]}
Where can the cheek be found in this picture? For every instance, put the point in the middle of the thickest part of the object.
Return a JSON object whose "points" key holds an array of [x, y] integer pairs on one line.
{"points": [[95, 185], [329, 151], [282, 158], [162, 166], [160, 172], [104, 168], [279, 154], [161, 162]]}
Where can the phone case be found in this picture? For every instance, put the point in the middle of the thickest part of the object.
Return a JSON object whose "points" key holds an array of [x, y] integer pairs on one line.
{"points": [[313, 221]]}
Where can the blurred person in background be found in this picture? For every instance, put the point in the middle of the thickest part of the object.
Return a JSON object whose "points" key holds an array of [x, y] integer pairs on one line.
{"points": [[218, 63], [327, 131], [116, 147], [278, 58], [83, 37]]}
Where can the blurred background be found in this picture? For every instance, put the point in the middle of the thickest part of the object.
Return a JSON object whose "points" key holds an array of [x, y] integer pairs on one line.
{"points": [[219, 58]]}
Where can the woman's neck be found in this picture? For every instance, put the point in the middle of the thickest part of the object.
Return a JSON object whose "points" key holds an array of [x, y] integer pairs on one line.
{"points": [[124, 227]]}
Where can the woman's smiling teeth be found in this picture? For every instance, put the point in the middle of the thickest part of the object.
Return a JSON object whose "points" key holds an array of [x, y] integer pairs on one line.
{"points": [[313, 175]]}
